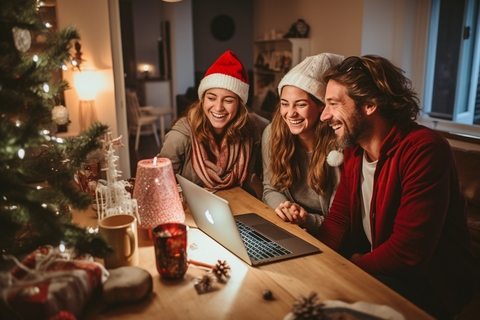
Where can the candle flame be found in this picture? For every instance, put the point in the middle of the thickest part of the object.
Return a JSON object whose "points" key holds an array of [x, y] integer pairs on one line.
{"points": [[155, 161]]}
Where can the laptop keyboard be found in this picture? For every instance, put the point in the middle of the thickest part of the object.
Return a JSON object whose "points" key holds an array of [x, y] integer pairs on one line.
{"points": [[258, 246]]}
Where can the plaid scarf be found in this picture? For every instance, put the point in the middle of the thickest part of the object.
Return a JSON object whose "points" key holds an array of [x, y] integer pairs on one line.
{"points": [[220, 166]]}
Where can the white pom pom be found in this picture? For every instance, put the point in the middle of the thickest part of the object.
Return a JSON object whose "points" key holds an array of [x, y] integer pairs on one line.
{"points": [[335, 158], [60, 115]]}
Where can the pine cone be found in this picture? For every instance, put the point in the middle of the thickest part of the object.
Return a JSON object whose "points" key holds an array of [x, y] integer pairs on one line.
{"points": [[221, 270], [204, 282], [308, 308]]}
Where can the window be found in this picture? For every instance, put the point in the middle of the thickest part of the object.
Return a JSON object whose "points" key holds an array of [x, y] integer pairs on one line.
{"points": [[452, 91]]}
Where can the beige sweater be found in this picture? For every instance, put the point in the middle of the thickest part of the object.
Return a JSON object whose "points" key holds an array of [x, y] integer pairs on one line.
{"points": [[178, 149]]}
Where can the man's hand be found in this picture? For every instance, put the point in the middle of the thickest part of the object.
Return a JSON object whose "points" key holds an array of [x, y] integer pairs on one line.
{"points": [[356, 256], [291, 212]]}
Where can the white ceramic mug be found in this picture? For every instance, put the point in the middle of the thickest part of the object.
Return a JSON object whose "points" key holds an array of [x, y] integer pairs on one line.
{"points": [[120, 231]]}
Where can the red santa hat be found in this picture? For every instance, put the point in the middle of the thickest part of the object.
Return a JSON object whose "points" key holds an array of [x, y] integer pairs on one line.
{"points": [[226, 73]]}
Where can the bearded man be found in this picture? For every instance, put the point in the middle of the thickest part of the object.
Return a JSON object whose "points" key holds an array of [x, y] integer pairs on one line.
{"points": [[398, 213]]}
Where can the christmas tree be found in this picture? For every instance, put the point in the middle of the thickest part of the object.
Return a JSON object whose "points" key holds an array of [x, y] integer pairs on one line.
{"points": [[29, 150]]}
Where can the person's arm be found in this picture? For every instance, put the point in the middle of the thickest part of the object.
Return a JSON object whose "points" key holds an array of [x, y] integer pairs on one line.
{"points": [[426, 171], [270, 196], [260, 125], [313, 222], [174, 148], [334, 230]]}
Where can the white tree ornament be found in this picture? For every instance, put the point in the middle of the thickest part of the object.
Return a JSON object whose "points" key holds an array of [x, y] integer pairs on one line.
{"points": [[22, 39], [113, 198], [60, 115]]}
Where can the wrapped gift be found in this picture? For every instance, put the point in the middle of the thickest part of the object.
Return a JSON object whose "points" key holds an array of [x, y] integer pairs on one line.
{"points": [[47, 284]]}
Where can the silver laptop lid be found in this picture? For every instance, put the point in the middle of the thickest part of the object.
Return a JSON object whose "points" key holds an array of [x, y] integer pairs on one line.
{"points": [[213, 216]]}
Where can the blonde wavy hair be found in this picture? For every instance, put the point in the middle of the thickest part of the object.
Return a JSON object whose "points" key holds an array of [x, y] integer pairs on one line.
{"points": [[239, 128], [285, 172]]}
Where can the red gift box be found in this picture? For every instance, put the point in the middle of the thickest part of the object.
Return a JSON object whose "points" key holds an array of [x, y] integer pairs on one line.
{"points": [[46, 285]]}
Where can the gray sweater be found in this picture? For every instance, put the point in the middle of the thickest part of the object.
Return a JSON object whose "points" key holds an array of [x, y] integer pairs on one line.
{"points": [[178, 149], [317, 206]]}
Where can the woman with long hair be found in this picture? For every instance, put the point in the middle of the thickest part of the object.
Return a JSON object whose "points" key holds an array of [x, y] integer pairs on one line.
{"points": [[298, 183], [215, 143]]}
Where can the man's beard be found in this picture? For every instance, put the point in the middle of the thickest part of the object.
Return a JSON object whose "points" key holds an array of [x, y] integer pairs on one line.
{"points": [[358, 128]]}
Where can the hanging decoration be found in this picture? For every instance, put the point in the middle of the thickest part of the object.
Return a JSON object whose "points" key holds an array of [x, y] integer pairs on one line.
{"points": [[60, 115], [77, 58], [22, 39]]}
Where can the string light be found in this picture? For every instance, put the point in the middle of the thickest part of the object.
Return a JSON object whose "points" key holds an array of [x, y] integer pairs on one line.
{"points": [[64, 67], [45, 131], [17, 123], [59, 140], [46, 88], [48, 25], [35, 58], [62, 247], [44, 205], [39, 187], [74, 63], [21, 153]]}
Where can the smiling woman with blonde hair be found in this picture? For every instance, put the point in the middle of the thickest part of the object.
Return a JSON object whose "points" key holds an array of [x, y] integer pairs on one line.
{"points": [[298, 183], [216, 143]]}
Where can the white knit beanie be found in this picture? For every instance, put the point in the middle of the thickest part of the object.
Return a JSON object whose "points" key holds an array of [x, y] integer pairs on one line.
{"points": [[307, 75], [226, 73]]}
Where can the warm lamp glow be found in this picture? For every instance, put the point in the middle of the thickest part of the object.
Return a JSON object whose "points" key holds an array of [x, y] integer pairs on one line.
{"points": [[86, 83], [145, 67], [172, 0]]}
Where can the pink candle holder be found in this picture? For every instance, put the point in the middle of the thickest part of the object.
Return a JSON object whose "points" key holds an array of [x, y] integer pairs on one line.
{"points": [[157, 195]]}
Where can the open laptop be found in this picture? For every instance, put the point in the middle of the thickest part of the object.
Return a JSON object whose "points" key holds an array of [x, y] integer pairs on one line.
{"points": [[250, 237]]}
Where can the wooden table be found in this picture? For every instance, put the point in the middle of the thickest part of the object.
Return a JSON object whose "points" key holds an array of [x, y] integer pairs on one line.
{"points": [[327, 273]]}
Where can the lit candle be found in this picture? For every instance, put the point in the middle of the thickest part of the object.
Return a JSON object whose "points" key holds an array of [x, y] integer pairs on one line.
{"points": [[156, 192]]}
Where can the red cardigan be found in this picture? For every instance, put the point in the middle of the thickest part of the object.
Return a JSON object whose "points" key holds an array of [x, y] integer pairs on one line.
{"points": [[418, 215]]}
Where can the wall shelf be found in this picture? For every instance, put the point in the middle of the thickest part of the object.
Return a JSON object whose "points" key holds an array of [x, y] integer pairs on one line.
{"points": [[272, 60]]}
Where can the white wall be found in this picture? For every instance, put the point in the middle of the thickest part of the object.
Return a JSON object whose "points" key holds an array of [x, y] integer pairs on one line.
{"points": [[91, 18], [394, 29], [146, 25], [398, 30], [335, 26]]}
